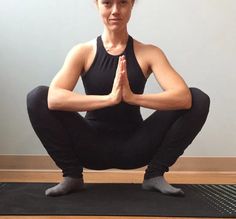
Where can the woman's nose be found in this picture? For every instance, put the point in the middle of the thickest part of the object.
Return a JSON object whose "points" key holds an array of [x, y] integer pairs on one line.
{"points": [[115, 9]]}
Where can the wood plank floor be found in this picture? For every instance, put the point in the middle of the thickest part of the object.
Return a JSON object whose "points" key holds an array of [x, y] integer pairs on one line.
{"points": [[179, 177]]}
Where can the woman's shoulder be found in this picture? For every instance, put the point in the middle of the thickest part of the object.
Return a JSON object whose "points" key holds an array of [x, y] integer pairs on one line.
{"points": [[85, 47], [148, 55], [85, 52], [147, 48]]}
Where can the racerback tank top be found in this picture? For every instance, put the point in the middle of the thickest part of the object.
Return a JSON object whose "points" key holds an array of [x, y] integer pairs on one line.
{"points": [[98, 80]]}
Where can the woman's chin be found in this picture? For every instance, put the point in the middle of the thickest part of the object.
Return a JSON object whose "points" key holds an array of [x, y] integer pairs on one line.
{"points": [[115, 28]]}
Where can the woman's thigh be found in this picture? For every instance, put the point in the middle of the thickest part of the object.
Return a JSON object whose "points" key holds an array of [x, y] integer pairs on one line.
{"points": [[142, 143], [92, 142]]}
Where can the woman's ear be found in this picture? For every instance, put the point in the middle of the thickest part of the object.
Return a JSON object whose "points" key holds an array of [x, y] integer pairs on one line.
{"points": [[96, 2], [133, 1]]}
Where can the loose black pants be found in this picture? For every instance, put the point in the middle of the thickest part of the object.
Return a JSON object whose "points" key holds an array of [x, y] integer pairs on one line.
{"points": [[74, 142]]}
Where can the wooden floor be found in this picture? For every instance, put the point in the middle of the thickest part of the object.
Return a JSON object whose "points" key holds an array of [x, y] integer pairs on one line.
{"points": [[179, 177]]}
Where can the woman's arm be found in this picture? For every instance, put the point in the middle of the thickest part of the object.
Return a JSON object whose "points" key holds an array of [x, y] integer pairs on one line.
{"points": [[175, 95], [61, 95]]}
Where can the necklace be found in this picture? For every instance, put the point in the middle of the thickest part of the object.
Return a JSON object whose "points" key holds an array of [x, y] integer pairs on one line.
{"points": [[110, 48], [114, 50]]}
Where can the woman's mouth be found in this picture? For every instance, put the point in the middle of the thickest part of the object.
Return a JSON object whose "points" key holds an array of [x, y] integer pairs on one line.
{"points": [[115, 20]]}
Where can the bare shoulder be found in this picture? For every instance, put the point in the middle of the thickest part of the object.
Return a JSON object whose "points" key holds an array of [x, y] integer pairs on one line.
{"points": [[146, 54], [85, 46], [73, 66], [147, 49], [84, 51], [88, 52]]}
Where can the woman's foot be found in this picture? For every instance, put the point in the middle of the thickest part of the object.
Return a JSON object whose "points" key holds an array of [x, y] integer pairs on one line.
{"points": [[159, 183], [68, 185]]}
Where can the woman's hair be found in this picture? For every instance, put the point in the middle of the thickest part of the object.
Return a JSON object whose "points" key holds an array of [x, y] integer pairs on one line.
{"points": [[132, 0]]}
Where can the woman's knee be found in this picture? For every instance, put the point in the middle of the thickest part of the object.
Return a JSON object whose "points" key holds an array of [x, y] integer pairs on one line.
{"points": [[36, 97], [200, 100]]}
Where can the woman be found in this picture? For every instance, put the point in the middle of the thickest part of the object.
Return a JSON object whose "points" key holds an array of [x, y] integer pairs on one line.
{"points": [[114, 69]]}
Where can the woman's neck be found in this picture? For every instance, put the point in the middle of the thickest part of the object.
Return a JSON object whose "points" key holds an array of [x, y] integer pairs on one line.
{"points": [[115, 39]]}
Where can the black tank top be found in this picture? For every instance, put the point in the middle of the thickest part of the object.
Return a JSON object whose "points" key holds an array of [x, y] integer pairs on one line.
{"points": [[98, 80]]}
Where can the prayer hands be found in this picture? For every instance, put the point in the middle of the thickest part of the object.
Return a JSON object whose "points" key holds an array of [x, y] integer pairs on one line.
{"points": [[121, 89]]}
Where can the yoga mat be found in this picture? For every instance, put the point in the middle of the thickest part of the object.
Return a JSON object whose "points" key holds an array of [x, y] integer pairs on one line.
{"points": [[116, 199]]}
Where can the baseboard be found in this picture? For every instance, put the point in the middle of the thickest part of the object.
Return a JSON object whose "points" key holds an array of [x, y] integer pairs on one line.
{"points": [[44, 162], [41, 168], [115, 176]]}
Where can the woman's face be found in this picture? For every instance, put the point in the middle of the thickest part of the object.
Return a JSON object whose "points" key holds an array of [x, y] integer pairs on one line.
{"points": [[115, 13]]}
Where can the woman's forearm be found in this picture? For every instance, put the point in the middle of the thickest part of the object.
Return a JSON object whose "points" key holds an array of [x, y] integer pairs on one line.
{"points": [[167, 100], [65, 100]]}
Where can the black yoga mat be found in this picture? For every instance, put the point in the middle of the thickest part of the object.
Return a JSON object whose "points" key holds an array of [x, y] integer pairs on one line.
{"points": [[105, 199]]}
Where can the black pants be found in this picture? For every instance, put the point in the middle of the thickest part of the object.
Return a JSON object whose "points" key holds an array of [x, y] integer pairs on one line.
{"points": [[74, 142]]}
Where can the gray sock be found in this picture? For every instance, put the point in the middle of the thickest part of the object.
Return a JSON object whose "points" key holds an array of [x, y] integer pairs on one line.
{"points": [[159, 183], [68, 185]]}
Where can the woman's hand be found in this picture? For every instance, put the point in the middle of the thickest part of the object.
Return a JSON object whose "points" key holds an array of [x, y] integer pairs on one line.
{"points": [[116, 93], [121, 89], [127, 94]]}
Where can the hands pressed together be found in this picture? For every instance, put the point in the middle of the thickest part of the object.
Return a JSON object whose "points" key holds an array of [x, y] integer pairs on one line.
{"points": [[121, 89]]}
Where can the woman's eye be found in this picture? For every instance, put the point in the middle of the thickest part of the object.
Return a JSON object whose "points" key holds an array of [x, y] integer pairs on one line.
{"points": [[106, 2], [124, 2]]}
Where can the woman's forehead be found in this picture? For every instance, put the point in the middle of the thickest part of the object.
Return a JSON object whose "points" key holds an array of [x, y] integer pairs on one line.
{"points": [[115, 0]]}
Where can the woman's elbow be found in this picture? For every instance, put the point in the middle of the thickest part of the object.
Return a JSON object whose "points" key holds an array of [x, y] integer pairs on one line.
{"points": [[187, 100], [53, 103]]}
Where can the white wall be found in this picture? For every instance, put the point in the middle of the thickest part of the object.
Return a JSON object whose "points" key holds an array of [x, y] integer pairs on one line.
{"points": [[198, 37]]}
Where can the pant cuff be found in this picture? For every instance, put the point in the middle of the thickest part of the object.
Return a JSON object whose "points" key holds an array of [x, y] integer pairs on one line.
{"points": [[74, 173], [153, 174]]}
